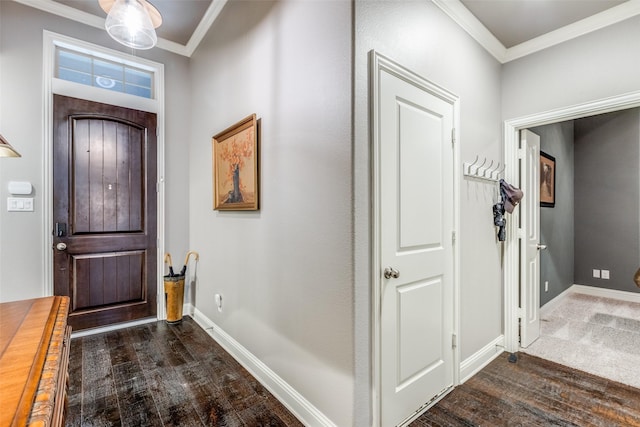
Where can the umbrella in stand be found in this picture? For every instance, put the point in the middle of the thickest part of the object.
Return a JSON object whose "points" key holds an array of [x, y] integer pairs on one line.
{"points": [[174, 288], [167, 256], [186, 261], [173, 292]]}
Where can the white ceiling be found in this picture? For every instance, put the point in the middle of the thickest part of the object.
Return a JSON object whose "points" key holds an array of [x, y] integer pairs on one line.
{"points": [[184, 22], [508, 29], [179, 17]]}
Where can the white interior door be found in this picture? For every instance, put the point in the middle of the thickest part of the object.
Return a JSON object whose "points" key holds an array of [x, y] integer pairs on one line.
{"points": [[416, 248], [530, 248]]}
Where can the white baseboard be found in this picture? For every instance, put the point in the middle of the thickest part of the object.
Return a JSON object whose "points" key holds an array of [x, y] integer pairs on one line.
{"points": [[606, 293], [588, 290], [187, 309], [472, 365], [551, 305], [308, 414]]}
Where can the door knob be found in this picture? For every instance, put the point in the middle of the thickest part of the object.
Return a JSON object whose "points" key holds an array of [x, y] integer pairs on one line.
{"points": [[391, 273], [541, 247], [61, 246]]}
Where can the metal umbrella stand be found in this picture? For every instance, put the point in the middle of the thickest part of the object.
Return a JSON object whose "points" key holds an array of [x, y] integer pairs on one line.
{"points": [[174, 288]]}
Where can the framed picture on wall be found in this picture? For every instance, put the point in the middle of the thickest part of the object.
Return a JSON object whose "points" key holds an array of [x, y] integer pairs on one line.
{"points": [[235, 167], [547, 180]]}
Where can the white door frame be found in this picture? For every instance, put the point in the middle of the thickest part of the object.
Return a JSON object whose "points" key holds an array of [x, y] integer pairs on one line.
{"points": [[378, 63], [512, 129], [52, 85]]}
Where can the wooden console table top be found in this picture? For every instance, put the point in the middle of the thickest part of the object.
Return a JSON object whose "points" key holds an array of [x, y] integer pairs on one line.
{"points": [[30, 331]]}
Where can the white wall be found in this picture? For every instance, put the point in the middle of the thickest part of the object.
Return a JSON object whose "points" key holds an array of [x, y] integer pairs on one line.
{"points": [[21, 115], [285, 271], [592, 67], [423, 39]]}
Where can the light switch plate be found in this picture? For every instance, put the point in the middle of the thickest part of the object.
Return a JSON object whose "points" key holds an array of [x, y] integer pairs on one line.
{"points": [[605, 274], [20, 204], [596, 273]]}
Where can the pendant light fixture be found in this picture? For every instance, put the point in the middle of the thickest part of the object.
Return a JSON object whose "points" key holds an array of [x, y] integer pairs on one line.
{"points": [[132, 22], [6, 150]]}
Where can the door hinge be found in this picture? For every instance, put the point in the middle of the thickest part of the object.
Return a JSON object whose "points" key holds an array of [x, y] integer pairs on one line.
{"points": [[521, 153], [453, 135], [454, 341], [453, 237]]}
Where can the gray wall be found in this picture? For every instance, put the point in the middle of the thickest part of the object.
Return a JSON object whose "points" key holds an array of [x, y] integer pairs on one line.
{"points": [[556, 224], [607, 189], [304, 305], [21, 272], [285, 271]]}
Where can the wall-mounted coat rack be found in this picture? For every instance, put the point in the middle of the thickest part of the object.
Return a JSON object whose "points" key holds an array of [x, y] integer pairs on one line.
{"points": [[480, 171]]}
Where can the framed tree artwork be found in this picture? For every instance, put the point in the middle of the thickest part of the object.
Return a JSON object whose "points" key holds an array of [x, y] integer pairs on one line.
{"points": [[547, 180], [235, 167]]}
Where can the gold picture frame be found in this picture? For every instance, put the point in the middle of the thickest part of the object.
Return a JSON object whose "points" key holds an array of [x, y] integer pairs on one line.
{"points": [[235, 167]]}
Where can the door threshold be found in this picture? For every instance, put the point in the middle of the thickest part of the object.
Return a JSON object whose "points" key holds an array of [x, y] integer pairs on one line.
{"points": [[424, 408], [109, 328]]}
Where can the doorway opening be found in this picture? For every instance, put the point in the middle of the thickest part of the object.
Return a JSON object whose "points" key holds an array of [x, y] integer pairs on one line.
{"points": [[106, 76], [591, 235], [514, 312]]}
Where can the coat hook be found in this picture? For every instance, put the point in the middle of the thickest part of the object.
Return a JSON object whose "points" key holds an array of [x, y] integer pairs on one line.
{"points": [[494, 172], [488, 172], [479, 167], [488, 169], [472, 164]]}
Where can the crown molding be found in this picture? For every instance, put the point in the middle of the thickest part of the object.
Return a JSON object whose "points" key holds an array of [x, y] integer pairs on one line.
{"points": [[187, 50], [65, 11], [596, 22], [172, 46], [465, 19], [205, 23], [453, 8]]}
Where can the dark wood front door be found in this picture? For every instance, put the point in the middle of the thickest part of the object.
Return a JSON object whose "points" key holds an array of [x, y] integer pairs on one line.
{"points": [[104, 211]]}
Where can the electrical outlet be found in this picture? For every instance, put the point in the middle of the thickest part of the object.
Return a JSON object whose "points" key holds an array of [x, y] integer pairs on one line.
{"points": [[546, 286], [596, 273], [218, 299], [605, 274]]}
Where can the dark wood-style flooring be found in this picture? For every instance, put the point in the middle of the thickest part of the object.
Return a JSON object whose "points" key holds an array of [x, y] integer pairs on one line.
{"points": [[177, 375], [535, 392], [164, 375]]}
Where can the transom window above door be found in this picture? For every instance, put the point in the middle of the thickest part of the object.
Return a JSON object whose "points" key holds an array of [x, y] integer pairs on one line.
{"points": [[97, 72]]}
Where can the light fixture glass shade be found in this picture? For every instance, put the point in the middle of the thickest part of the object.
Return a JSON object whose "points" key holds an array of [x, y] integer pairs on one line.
{"points": [[6, 150], [129, 23]]}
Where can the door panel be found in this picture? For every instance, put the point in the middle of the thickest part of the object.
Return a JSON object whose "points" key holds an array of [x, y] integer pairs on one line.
{"points": [[416, 218], [417, 357], [416, 207], [530, 262], [104, 193], [102, 279], [108, 177]]}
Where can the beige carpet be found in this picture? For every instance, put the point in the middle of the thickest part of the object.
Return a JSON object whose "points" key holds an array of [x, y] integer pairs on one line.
{"points": [[594, 334]]}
